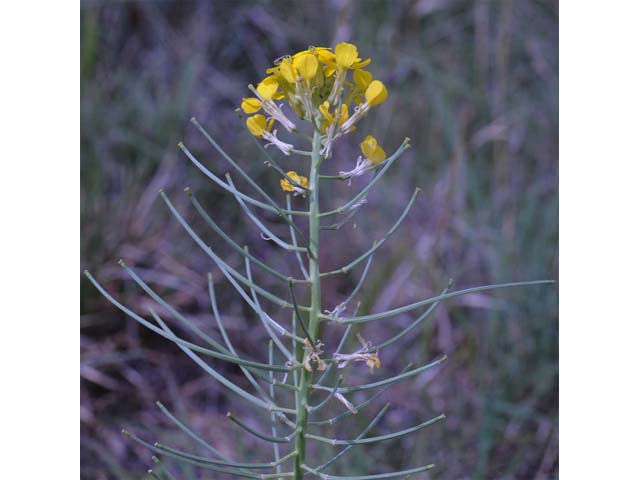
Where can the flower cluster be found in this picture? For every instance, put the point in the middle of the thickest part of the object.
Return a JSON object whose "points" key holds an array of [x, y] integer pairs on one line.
{"points": [[328, 88]]}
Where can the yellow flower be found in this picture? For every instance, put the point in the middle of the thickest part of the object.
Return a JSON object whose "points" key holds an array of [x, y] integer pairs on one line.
{"points": [[346, 54], [306, 65], [376, 93], [258, 125], [251, 105], [362, 79], [286, 70], [344, 115], [314, 82], [268, 87], [299, 179], [344, 58], [372, 150], [324, 110], [325, 55], [329, 118]]}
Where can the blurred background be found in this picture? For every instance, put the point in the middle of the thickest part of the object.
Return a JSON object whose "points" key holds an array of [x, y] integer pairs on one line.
{"points": [[474, 84]]}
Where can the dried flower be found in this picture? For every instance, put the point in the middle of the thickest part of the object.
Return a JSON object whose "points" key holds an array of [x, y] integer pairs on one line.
{"points": [[312, 355], [361, 355]]}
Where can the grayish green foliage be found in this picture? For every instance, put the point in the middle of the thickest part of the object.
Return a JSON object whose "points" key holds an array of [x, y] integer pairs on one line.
{"points": [[302, 369]]}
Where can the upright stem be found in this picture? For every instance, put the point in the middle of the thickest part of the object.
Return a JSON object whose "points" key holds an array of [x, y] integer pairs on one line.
{"points": [[316, 291]]}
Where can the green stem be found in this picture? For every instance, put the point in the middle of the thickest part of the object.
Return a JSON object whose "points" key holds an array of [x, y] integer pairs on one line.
{"points": [[314, 311]]}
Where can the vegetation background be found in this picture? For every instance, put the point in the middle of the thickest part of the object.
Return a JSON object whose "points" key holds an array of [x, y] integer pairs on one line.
{"points": [[474, 84]]}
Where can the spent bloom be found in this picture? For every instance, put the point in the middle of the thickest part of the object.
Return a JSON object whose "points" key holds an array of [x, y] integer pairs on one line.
{"points": [[328, 88], [287, 186], [363, 354]]}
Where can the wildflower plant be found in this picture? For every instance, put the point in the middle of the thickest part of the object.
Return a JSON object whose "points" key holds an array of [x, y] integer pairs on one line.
{"points": [[320, 95]]}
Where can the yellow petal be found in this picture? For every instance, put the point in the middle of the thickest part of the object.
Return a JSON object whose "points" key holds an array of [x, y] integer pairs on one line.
{"points": [[362, 78], [251, 105], [306, 65], [288, 187], [267, 88], [324, 110], [344, 114], [286, 70], [257, 125], [376, 93], [372, 150], [300, 53], [325, 55], [379, 155], [368, 145], [346, 54], [362, 64]]}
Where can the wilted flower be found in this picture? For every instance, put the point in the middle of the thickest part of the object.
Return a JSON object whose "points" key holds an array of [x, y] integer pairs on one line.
{"points": [[287, 186], [312, 355], [361, 355]]}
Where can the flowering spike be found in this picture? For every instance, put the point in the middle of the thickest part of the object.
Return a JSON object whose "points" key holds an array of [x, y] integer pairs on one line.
{"points": [[329, 89]]}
